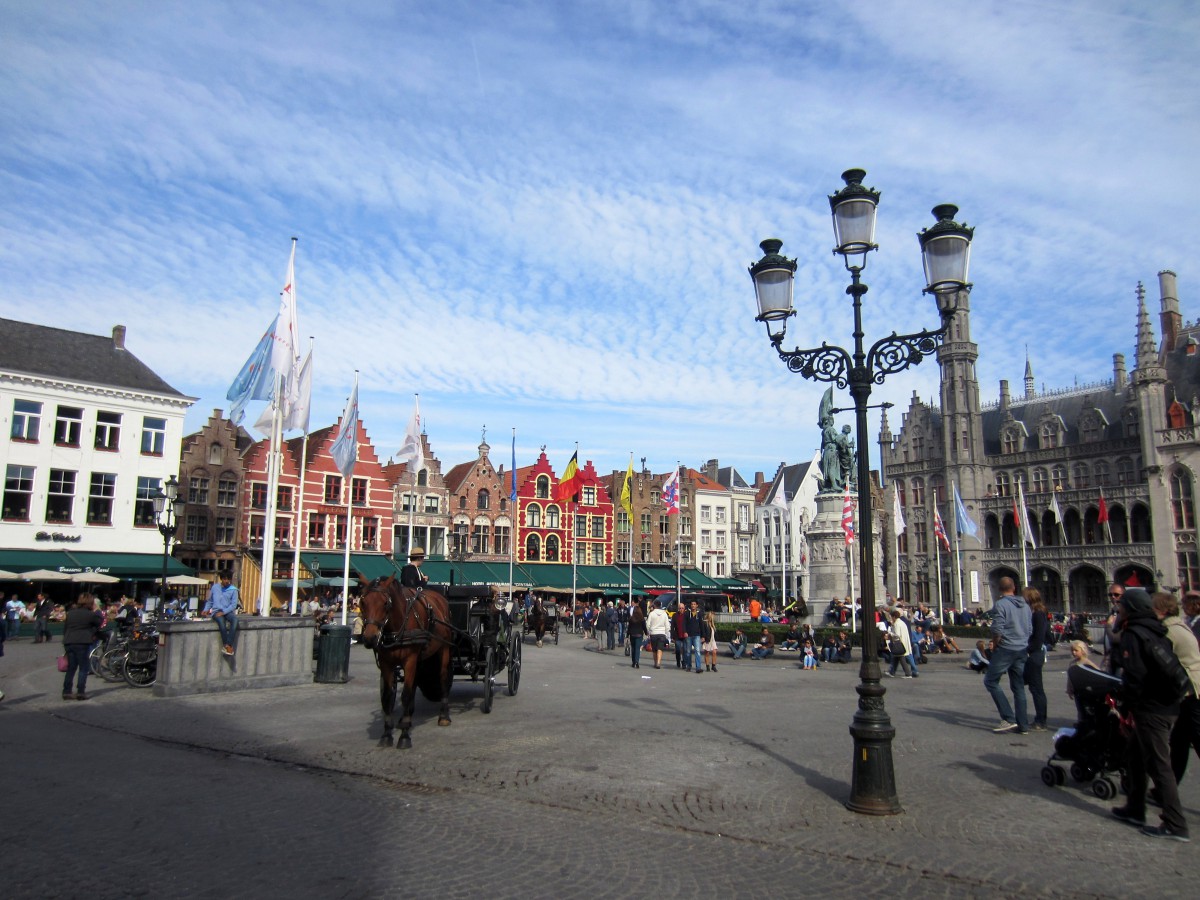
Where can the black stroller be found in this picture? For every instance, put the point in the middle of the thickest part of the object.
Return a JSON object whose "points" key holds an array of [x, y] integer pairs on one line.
{"points": [[1096, 746]]}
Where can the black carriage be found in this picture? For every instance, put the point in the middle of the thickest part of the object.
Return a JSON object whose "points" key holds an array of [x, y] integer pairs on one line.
{"points": [[487, 640], [550, 613]]}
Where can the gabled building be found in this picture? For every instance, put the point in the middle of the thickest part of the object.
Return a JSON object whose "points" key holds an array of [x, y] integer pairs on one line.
{"points": [[746, 563], [651, 536], [481, 522], [91, 436], [786, 508], [423, 500], [714, 528]]}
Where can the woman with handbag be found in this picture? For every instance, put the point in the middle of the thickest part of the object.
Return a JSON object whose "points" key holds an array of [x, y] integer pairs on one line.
{"points": [[81, 630], [899, 644]]}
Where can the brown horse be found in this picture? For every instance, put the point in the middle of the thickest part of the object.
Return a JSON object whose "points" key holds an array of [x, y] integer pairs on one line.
{"points": [[410, 632]]}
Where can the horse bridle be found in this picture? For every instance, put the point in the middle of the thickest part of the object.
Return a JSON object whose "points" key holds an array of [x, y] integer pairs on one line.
{"points": [[388, 638]]}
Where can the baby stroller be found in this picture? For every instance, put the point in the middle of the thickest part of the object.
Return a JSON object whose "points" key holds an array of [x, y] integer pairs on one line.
{"points": [[1095, 747]]}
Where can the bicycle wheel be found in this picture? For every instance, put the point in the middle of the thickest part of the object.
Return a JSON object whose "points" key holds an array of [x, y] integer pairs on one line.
{"points": [[139, 675], [110, 664], [94, 658]]}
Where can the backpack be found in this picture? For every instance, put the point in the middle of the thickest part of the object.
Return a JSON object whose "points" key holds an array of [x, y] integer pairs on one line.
{"points": [[1162, 657]]}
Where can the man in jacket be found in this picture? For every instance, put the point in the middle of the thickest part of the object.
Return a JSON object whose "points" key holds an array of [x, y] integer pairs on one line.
{"points": [[694, 625], [1154, 706], [658, 625], [411, 575], [1012, 624], [683, 647], [1185, 736], [223, 603]]}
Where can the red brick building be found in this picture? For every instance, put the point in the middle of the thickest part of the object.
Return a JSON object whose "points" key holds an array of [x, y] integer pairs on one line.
{"points": [[552, 531], [481, 527]]}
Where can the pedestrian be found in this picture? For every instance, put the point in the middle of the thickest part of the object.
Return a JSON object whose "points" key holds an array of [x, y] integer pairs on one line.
{"points": [[610, 626], [1012, 624], [658, 624], [1036, 660], [694, 625], [709, 644], [899, 645], [82, 629], [637, 634], [737, 646], [683, 647], [1154, 706], [755, 608], [622, 622], [42, 610], [1185, 734], [12, 616], [223, 603]]}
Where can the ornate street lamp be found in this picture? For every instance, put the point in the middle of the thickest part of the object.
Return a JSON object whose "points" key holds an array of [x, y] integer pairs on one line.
{"points": [[165, 515], [945, 247]]}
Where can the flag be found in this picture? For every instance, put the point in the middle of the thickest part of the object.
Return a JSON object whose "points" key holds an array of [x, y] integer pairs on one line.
{"points": [[939, 530], [897, 510], [627, 493], [780, 498], [1022, 522], [848, 517], [345, 445], [285, 347], [670, 492], [253, 381], [568, 485], [512, 495], [1057, 513], [411, 452], [1102, 517], [297, 416], [963, 524]]}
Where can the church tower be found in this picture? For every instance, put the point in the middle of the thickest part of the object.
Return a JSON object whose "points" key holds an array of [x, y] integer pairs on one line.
{"points": [[962, 424]]}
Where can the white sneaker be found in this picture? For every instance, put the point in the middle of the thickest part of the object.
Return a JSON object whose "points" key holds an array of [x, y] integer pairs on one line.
{"points": [[1004, 727]]}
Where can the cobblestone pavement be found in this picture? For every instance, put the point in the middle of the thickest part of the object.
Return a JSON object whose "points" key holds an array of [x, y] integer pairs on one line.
{"points": [[595, 779]]}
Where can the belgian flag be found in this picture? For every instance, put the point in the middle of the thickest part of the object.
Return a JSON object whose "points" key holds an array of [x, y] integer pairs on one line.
{"points": [[568, 485]]}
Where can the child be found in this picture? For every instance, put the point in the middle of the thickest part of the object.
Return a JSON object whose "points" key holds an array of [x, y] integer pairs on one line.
{"points": [[978, 661], [810, 656]]}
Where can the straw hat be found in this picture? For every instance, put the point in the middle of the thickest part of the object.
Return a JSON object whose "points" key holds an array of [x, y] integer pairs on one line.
{"points": [[417, 553]]}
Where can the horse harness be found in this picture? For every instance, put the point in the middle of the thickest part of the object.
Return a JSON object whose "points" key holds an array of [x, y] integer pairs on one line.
{"points": [[413, 637]]}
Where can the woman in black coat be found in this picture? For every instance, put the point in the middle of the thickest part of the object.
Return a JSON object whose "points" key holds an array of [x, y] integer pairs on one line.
{"points": [[80, 631]]}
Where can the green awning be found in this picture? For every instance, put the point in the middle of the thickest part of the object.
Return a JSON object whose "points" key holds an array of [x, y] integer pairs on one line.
{"points": [[734, 586], [477, 574], [129, 565], [28, 560], [367, 565]]}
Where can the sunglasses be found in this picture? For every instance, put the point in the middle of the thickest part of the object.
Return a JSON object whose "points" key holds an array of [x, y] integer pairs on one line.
{"points": [[1114, 596]]}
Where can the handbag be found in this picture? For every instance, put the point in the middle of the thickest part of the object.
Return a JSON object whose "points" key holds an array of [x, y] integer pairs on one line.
{"points": [[62, 663], [896, 648]]}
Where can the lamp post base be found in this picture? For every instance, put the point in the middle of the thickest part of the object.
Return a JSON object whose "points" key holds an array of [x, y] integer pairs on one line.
{"points": [[873, 779]]}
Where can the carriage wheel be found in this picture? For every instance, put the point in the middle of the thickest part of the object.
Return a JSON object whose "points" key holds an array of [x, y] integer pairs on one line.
{"points": [[514, 668], [555, 634], [489, 675]]}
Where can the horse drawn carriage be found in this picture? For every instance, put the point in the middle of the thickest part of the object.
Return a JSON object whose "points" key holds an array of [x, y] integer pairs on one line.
{"points": [[422, 639], [545, 616]]}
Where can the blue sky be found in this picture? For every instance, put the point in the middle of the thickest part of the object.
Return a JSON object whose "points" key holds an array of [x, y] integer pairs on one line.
{"points": [[539, 214]]}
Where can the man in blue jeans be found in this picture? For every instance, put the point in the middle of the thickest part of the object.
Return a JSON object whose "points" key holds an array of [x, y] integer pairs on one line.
{"points": [[695, 634], [1012, 624], [222, 605]]}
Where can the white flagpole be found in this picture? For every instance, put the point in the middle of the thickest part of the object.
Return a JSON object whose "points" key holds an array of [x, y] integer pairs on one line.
{"points": [[274, 459], [937, 549], [785, 545], [300, 534], [678, 556], [629, 512], [349, 522], [512, 547]]}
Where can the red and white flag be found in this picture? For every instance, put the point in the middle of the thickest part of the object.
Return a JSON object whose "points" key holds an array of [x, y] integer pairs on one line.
{"points": [[848, 517], [939, 530], [1102, 517]]}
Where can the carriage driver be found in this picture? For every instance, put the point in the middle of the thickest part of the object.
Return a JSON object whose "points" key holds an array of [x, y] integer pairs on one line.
{"points": [[411, 575]]}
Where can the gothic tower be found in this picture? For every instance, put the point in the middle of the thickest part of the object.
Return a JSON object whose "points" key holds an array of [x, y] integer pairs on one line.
{"points": [[962, 425]]}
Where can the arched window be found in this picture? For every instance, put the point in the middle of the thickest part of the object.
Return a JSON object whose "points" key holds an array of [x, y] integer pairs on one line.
{"points": [[991, 529], [533, 516], [1003, 484], [552, 548], [552, 515], [918, 491], [462, 502], [1102, 473], [1020, 479], [898, 485], [1058, 477], [1182, 508], [542, 491], [423, 478], [1049, 436], [484, 499], [1081, 475], [1125, 471], [937, 489], [1041, 481], [533, 548]]}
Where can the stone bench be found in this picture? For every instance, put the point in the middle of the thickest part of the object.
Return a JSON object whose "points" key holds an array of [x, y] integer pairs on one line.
{"points": [[270, 653]]}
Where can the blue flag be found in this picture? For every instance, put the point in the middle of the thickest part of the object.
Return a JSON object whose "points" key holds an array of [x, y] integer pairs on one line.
{"points": [[253, 382], [345, 446], [963, 523]]}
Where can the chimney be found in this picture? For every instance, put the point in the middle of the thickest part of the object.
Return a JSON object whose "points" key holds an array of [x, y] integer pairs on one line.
{"points": [[1005, 398], [1168, 316], [1120, 381], [118, 337]]}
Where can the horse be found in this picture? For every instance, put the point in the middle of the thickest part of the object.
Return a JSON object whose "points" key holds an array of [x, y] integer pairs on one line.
{"points": [[536, 618], [410, 632]]}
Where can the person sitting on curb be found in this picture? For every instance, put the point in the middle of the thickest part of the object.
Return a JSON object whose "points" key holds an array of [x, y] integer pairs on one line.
{"points": [[738, 645], [979, 658], [222, 605], [810, 656], [765, 646], [829, 648], [843, 647], [791, 640]]}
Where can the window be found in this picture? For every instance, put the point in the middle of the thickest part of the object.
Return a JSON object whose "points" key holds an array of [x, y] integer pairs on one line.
{"points": [[656, 496], [1081, 475], [358, 491], [533, 551], [705, 513], [479, 539], [108, 431], [198, 489], [1103, 474], [533, 516], [257, 527], [581, 526], [597, 554], [283, 499], [1189, 569], [18, 489], [258, 495], [60, 496], [552, 548], [154, 436], [1049, 436], [705, 538], [1041, 481], [316, 531], [431, 503], [226, 530], [644, 552], [227, 492], [664, 526], [720, 512], [542, 490], [645, 523], [1089, 429], [589, 496], [1058, 476], [622, 522], [216, 454], [67, 426], [1003, 485], [501, 542], [143, 504], [720, 536], [423, 478], [1125, 473], [370, 533], [1011, 443], [26, 420], [918, 492], [462, 502], [339, 530], [1181, 501], [196, 530], [483, 500], [408, 502], [333, 488], [100, 498], [597, 526], [552, 517], [685, 524]]}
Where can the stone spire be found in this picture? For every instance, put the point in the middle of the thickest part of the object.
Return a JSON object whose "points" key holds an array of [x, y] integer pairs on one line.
{"points": [[1028, 375], [1148, 367]]}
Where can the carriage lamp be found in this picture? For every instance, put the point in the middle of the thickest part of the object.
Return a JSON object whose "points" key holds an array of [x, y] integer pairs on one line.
{"points": [[945, 250]]}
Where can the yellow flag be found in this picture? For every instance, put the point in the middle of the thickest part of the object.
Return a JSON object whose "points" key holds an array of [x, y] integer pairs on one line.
{"points": [[627, 493]]}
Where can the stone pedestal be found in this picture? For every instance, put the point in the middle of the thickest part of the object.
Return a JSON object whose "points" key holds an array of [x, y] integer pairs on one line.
{"points": [[270, 653], [828, 566]]}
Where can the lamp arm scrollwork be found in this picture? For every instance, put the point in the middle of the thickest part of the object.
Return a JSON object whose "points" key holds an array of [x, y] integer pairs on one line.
{"points": [[897, 352], [825, 363]]}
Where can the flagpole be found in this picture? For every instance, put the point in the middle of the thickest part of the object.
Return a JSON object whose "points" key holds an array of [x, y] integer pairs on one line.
{"points": [[678, 555], [274, 459], [957, 546], [937, 549], [627, 502], [786, 545], [300, 533], [512, 505], [349, 479]]}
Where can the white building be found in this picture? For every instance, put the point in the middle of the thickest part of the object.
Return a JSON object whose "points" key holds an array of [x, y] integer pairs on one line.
{"points": [[783, 521], [90, 436], [715, 534]]}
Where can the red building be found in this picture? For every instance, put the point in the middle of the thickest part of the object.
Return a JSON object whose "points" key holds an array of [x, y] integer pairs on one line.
{"points": [[552, 531]]}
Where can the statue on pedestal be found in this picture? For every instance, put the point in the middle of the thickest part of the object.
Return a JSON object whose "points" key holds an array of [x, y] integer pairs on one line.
{"points": [[837, 450]]}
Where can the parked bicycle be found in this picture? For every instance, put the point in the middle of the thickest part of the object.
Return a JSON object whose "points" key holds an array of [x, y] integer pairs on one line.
{"points": [[139, 664]]}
